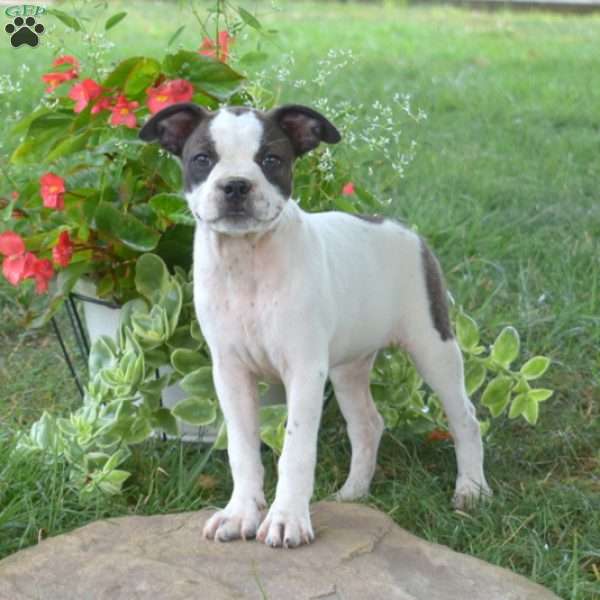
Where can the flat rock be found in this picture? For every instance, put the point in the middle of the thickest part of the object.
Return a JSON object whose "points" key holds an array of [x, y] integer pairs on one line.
{"points": [[359, 554]]}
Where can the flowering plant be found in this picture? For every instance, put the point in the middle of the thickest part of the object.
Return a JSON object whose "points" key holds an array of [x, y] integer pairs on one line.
{"points": [[103, 199]]}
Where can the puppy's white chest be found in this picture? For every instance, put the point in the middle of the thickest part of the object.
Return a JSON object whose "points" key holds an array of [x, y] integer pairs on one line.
{"points": [[237, 304]]}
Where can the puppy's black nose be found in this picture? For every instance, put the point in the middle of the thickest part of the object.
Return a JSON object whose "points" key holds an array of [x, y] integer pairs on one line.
{"points": [[236, 189]]}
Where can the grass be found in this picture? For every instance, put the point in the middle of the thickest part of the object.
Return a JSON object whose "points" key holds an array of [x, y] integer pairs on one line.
{"points": [[504, 185]]}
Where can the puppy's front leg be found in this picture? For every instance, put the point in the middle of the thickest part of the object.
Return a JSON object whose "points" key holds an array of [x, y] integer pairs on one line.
{"points": [[238, 397], [288, 521]]}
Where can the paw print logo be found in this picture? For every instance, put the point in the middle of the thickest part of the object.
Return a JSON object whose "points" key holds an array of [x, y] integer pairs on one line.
{"points": [[24, 31]]}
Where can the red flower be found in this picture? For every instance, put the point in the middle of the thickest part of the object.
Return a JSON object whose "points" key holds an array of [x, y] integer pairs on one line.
{"points": [[83, 92], [220, 51], [18, 267], [63, 251], [11, 243], [52, 191], [41, 270], [53, 80], [438, 435], [170, 92], [122, 113], [348, 189], [67, 59], [102, 104]]}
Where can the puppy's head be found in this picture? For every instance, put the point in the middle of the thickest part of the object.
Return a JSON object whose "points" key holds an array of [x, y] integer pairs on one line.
{"points": [[237, 162]]}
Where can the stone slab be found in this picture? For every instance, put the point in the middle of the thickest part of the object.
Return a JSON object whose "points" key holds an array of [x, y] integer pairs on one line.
{"points": [[359, 554]]}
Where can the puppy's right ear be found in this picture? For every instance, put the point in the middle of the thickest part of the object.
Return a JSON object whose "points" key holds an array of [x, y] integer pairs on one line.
{"points": [[172, 126]]}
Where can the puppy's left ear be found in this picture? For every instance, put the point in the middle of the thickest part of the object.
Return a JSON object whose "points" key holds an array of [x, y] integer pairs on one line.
{"points": [[305, 127], [172, 126]]}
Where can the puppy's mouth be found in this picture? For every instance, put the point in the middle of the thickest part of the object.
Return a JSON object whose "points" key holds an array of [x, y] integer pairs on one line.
{"points": [[239, 215]]}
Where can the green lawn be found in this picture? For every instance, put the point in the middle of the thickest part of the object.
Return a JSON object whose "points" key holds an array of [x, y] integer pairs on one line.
{"points": [[505, 185]]}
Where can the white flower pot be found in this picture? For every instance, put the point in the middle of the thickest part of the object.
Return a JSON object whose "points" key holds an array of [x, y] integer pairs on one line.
{"points": [[104, 320]]}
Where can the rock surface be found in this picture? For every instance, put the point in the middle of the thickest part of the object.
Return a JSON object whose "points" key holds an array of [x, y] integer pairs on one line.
{"points": [[359, 554]]}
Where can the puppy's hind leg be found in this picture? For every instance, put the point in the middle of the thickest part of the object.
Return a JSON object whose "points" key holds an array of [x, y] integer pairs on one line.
{"points": [[441, 366], [365, 425]]}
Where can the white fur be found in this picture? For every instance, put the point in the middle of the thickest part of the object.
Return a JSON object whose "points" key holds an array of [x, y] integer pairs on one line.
{"points": [[313, 295]]}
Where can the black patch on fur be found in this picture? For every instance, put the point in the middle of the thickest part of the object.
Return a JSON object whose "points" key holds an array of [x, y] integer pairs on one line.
{"points": [[172, 126], [276, 142], [305, 127], [199, 142], [376, 219], [436, 292]]}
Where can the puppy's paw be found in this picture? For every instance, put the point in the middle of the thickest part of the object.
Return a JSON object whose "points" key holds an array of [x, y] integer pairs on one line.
{"points": [[286, 527], [239, 519], [469, 493], [353, 490]]}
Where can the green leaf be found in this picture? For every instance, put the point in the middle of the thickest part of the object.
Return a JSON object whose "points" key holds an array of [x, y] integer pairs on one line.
{"points": [[195, 331], [172, 207], [496, 395], [540, 394], [185, 361], [209, 76], [181, 339], [521, 386], [506, 347], [118, 76], [518, 406], [114, 20], [68, 20], [272, 426], [172, 301], [133, 75], [199, 382], [103, 355], [112, 482], [142, 76], [163, 419], [35, 148], [43, 120], [474, 376], [125, 227], [531, 411], [274, 437], [249, 18], [24, 123], [467, 331], [535, 367], [221, 441], [175, 246], [69, 145], [196, 411], [45, 433], [139, 430], [344, 204], [175, 35], [151, 277], [273, 415]]}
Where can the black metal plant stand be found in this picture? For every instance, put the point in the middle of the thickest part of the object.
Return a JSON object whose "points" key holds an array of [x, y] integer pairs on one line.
{"points": [[79, 332]]}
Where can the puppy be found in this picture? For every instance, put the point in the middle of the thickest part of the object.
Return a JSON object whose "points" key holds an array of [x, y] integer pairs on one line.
{"points": [[285, 295]]}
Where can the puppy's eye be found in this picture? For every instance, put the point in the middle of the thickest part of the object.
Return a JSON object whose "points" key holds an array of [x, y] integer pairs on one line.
{"points": [[202, 160], [270, 161]]}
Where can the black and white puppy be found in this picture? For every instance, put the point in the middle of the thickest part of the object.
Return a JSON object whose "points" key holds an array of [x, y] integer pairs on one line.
{"points": [[290, 296]]}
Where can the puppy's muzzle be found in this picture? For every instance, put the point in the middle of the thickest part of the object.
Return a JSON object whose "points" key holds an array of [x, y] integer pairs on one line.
{"points": [[236, 194]]}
